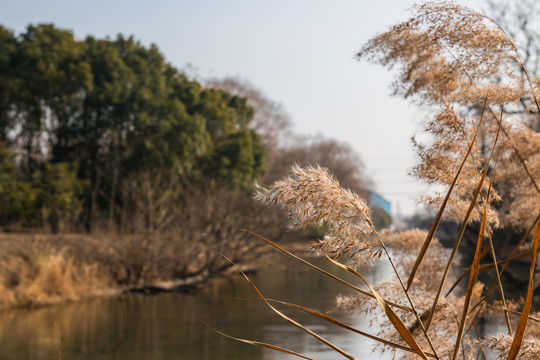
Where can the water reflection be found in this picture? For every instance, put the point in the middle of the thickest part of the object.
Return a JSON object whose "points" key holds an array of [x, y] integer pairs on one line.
{"points": [[168, 326]]}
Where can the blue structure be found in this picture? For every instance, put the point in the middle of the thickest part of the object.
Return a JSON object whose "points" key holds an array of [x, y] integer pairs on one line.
{"points": [[377, 201]]}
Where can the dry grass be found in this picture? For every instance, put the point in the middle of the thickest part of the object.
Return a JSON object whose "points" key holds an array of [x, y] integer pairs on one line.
{"points": [[32, 272], [40, 269], [416, 321], [484, 153]]}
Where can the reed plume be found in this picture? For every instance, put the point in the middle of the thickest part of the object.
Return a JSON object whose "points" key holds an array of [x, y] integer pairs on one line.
{"points": [[484, 154], [312, 196]]}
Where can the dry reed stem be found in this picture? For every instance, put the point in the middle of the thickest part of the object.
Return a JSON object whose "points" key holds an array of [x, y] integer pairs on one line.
{"points": [[499, 283], [392, 316], [332, 276], [472, 279], [348, 327], [524, 318], [450, 56], [259, 343], [461, 231], [293, 322], [312, 196], [438, 217]]}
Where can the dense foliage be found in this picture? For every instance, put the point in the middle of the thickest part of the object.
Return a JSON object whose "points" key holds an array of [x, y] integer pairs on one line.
{"points": [[84, 122]]}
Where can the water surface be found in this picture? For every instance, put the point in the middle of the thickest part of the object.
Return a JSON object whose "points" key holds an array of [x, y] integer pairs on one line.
{"points": [[168, 326]]}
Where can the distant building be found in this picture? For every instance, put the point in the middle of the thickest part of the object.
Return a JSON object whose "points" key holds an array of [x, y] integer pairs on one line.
{"points": [[377, 201]]}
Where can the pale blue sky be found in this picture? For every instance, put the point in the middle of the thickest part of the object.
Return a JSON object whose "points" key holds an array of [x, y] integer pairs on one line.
{"points": [[298, 52]]}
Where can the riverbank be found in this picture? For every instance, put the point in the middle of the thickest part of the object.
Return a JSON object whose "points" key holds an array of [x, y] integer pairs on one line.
{"points": [[44, 269], [168, 326]]}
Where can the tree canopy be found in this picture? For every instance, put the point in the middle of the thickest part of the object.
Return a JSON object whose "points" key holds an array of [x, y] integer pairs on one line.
{"points": [[110, 110]]}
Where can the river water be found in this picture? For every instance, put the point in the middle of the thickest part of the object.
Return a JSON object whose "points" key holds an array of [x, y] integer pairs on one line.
{"points": [[170, 326]]}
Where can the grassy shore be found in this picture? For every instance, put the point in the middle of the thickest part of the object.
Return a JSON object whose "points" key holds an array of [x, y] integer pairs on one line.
{"points": [[40, 269]]}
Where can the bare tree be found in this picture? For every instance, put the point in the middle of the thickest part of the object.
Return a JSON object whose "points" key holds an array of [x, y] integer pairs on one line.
{"points": [[521, 21], [338, 157], [273, 124], [271, 121]]}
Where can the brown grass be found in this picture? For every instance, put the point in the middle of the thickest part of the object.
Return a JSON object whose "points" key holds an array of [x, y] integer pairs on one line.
{"points": [[485, 153], [40, 269], [32, 272]]}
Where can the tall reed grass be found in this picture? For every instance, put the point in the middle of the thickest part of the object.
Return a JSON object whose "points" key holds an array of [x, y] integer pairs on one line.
{"points": [[32, 273], [485, 153]]}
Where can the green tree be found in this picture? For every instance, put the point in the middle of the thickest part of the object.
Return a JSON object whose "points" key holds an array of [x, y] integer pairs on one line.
{"points": [[50, 80], [18, 199], [59, 199], [114, 109], [8, 47]]}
